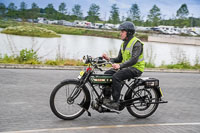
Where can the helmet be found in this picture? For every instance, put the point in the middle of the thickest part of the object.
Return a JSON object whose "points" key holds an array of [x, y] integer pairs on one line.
{"points": [[128, 26]]}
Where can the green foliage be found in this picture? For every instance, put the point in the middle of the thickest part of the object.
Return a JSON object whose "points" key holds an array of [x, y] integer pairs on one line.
{"points": [[154, 15], [114, 17], [27, 56], [12, 6], [182, 12], [2, 9], [149, 65], [51, 62], [30, 31], [8, 59], [31, 57], [76, 10], [134, 13], [49, 12], [182, 65], [23, 5], [34, 11], [62, 8], [72, 62], [93, 13]]}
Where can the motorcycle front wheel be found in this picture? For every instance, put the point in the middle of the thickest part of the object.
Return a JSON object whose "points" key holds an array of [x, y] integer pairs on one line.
{"points": [[145, 106], [68, 101]]}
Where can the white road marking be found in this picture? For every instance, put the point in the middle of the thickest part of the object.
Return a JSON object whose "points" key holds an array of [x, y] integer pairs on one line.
{"points": [[103, 127]]}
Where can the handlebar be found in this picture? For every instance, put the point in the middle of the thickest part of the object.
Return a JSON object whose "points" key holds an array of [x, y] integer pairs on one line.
{"points": [[95, 61]]}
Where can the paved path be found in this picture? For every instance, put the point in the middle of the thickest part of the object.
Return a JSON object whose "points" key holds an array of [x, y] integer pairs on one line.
{"points": [[24, 105]]}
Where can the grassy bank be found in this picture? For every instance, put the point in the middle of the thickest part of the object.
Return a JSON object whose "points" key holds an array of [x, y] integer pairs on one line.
{"points": [[30, 57], [30, 31], [59, 29]]}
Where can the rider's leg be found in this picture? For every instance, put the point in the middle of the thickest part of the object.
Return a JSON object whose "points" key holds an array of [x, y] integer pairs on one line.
{"points": [[110, 71], [117, 78], [108, 99]]}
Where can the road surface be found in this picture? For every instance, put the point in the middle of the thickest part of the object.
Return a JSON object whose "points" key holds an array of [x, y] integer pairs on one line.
{"points": [[24, 105]]}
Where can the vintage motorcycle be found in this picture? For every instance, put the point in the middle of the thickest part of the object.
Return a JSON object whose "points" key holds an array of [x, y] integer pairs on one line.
{"points": [[71, 98]]}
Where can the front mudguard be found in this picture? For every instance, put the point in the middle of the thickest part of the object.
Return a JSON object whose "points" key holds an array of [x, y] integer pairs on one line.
{"points": [[86, 101]]}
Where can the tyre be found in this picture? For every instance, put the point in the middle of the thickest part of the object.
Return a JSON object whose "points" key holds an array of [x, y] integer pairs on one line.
{"points": [[145, 106], [68, 107]]}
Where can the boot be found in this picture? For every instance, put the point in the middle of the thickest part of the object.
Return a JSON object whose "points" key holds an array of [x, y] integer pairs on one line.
{"points": [[106, 100], [112, 105]]}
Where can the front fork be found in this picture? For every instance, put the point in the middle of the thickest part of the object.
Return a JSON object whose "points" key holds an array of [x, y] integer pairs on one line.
{"points": [[75, 93]]}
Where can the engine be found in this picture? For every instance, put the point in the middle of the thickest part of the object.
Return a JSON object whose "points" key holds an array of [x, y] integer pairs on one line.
{"points": [[107, 91]]}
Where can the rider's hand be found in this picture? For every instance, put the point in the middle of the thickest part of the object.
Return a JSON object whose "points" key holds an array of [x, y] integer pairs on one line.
{"points": [[116, 66], [105, 57]]}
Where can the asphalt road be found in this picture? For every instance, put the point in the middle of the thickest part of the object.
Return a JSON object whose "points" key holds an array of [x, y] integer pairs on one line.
{"points": [[24, 105]]}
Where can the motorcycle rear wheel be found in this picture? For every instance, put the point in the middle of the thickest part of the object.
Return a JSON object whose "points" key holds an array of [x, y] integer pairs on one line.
{"points": [[144, 107]]}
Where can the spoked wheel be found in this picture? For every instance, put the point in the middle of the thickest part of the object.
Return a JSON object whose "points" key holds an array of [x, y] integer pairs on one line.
{"points": [[147, 103], [68, 101]]}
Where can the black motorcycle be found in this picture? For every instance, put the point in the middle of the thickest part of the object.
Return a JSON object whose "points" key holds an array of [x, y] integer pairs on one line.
{"points": [[71, 98]]}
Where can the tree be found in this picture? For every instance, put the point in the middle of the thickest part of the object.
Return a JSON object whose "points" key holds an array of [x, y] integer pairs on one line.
{"points": [[134, 12], [12, 7], [62, 8], [182, 12], [23, 6], [154, 15], [34, 6], [12, 11], [34, 11], [50, 11], [76, 10], [93, 13], [2, 9], [23, 13], [114, 18]]}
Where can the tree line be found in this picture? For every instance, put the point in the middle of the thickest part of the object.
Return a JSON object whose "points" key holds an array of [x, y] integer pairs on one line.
{"points": [[154, 17]]}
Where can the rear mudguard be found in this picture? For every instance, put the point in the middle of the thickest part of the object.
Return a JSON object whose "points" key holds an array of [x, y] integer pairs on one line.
{"points": [[128, 94], [159, 92], [86, 102]]}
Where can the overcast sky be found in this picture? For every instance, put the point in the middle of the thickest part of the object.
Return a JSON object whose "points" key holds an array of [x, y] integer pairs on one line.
{"points": [[168, 7]]}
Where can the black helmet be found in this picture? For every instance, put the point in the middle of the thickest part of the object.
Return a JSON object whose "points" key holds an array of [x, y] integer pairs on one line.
{"points": [[128, 26]]}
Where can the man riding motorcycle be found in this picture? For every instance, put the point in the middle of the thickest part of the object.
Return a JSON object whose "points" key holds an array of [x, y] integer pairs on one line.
{"points": [[132, 62]]}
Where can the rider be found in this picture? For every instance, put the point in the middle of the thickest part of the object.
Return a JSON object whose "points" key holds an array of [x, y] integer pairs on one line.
{"points": [[132, 62]]}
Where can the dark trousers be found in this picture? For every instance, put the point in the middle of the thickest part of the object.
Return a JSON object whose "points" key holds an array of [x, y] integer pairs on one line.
{"points": [[118, 77]]}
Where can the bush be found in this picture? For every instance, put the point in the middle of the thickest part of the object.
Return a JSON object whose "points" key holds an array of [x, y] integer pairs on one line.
{"points": [[8, 59], [28, 56], [51, 62], [149, 65]]}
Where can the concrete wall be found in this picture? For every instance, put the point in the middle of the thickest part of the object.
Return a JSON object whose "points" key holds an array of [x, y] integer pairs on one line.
{"points": [[174, 39]]}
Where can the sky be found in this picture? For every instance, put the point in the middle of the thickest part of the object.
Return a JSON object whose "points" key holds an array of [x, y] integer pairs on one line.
{"points": [[168, 7]]}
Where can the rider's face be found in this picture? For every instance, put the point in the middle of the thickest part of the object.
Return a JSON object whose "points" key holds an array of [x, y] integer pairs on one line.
{"points": [[123, 34]]}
